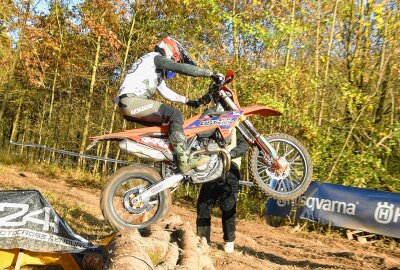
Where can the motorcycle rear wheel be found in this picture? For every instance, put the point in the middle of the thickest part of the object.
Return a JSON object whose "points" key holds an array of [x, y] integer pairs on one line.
{"points": [[282, 185], [119, 191]]}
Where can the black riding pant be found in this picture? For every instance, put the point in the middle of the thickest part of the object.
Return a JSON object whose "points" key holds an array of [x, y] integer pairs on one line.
{"points": [[149, 112], [225, 193]]}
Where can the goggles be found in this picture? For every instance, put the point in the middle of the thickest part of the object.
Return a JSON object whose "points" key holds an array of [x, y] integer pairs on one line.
{"points": [[170, 74]]}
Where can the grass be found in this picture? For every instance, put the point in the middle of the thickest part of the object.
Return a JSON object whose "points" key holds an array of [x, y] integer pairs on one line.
{"points": [[67, 172], [79, 219], [10, 159]]}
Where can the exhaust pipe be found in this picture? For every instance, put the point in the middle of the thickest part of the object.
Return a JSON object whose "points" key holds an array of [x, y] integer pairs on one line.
{"points": [[213, 148]]}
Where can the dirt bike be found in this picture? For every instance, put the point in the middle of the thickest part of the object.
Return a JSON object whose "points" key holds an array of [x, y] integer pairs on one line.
{"points": [[139, 195]]}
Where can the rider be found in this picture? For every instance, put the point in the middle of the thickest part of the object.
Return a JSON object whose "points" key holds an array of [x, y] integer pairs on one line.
{"points": [[141, 81]]}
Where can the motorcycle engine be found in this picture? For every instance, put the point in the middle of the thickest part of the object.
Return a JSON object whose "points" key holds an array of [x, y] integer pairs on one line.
{"points": [[210, 171], [204, 173]]}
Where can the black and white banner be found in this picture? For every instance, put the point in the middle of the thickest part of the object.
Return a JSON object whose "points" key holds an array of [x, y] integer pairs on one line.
{"points": [[349, 207], [28, 221]]}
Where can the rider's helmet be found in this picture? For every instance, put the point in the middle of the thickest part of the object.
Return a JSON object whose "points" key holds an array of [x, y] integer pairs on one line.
{"points": [[173, 50]]}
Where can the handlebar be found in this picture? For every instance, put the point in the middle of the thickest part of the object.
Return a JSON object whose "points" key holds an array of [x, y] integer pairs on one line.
{"points": [[218, 79]]}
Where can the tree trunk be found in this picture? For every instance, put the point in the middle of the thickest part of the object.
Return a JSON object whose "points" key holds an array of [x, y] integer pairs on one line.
{"points": [[365, 38], [393, 103], [235, 34], [42, 121], [99, 149], [89, 100], [114, 112], [317, 39], [15, 61], [382, 95], [328, 57], [350, 57], [316, 59], [16, 122], [24, 130], [289, 44], [119, 150], [53, 88]]}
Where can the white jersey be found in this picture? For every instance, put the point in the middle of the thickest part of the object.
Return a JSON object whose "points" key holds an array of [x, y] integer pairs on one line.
{"points": [[143, 79]]}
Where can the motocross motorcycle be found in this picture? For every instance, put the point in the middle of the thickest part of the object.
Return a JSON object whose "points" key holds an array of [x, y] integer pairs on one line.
{"points": [[139, 195]]}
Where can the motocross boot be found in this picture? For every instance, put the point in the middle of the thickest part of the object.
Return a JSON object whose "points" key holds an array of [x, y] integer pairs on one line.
{"points": [[181, 152]]}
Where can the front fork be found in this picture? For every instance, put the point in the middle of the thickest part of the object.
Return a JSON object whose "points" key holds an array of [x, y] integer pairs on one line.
{"points": [[252, 136], [248, 131]]}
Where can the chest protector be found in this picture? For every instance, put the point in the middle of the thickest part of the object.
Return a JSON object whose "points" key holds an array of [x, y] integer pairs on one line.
{"points": [[142, 78]]}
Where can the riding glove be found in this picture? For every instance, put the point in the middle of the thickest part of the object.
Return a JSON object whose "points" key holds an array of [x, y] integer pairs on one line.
{"points": [[193, 103]]}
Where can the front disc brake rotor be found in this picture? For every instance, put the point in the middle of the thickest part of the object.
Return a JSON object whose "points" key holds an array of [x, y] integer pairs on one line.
{"points": [[135, 208], [277, 172]]}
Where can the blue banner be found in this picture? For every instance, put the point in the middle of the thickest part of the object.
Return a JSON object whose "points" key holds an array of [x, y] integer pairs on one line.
{"points": [[349, 207]]}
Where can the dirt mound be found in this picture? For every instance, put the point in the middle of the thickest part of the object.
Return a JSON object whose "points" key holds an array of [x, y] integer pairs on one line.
{"points": [[258, 246]]}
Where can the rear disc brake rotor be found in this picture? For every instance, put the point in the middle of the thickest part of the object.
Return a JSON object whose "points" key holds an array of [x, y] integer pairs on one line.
{"points": [[135, 208]]}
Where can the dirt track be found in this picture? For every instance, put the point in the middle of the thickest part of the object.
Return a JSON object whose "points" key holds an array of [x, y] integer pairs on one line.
{"points": [[258, 245]]}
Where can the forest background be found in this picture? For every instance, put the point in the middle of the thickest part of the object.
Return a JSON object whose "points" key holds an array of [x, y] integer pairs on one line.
{"points": [[331, 66]]}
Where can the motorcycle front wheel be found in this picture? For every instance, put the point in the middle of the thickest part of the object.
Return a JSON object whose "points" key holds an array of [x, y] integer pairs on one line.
{"points": [[281, 184], [122, 187]]}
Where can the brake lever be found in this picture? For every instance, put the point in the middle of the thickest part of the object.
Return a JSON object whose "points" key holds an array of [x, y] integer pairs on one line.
{"points": [[227, 80]]}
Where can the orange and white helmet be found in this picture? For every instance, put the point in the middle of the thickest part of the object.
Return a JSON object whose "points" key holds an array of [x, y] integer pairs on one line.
{"points": [[173, 50]]}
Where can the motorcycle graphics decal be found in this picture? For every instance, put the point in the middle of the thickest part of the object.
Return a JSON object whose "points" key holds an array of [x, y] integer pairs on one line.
{"points": [[217, 122], [159, 143], [224, 121], [28, 221]]}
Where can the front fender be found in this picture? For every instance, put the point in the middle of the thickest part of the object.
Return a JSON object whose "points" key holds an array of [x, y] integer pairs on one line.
{"points": [[260, 110]]}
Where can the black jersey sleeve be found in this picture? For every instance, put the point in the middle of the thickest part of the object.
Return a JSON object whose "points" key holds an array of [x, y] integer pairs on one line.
{"points": [[241, 147], [164, 63]]}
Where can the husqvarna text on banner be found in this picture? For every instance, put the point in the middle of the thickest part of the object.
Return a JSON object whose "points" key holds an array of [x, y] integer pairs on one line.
{"points": [[348, 207]]}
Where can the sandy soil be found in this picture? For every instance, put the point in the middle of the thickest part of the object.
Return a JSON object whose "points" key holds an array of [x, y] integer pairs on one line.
{"points": [[258, 246]]}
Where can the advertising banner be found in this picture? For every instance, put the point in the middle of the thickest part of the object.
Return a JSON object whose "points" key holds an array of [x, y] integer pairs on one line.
{"points": [[349, 207], [27, 221]]}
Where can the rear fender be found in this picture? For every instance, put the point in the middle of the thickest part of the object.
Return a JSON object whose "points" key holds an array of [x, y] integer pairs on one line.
{"points": [[162, 131], [155, 131]]}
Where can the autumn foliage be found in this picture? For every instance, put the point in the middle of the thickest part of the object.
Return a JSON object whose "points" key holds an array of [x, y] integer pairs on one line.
{"points": [[332, 68]]}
